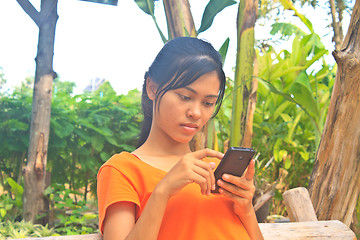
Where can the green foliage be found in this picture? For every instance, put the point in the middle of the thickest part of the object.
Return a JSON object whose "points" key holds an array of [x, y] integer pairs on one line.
{"points": [[10, 205], [67, 215], [14, 132], [85, 131], [2, 79], [291, 111], [10, 229], [292, 103]]}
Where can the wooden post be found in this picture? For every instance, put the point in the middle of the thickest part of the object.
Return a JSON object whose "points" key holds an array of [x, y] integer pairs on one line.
{"points": [[298, 205]]}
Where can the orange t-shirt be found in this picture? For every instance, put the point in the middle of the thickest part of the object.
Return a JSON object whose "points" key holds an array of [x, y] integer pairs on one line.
{"points": [[188, 215]]}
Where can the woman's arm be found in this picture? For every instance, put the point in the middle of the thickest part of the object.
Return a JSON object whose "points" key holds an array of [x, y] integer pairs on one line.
{"points": [[120, 219], [241, 190]]}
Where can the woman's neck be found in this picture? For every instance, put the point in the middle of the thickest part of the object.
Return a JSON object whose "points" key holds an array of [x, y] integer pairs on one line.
{"points": [[159, 148], [158, 144]]}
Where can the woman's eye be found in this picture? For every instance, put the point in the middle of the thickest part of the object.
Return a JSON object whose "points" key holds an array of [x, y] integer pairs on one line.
{"points": [[185, 98], [209, 104]]}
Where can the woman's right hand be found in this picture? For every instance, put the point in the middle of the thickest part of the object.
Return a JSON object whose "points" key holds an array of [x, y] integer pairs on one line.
{"points": [[190, 169]]}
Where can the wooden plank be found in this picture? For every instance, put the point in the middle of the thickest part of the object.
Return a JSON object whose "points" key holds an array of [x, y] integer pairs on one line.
{"points": [[317, 230], [298, 205], [94, 236]]}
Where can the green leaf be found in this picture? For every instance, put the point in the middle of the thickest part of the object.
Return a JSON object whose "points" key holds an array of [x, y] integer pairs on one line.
{"points": [[287, 163], [103, 131], [223, 49], [15, 187], [301, 91], [280, 109], [48, 190], [304, 155], [289, 6], [286, 29], [146, 5], [211, 10], [273, 89], [2, 212], [293, 126], [112, 140]]}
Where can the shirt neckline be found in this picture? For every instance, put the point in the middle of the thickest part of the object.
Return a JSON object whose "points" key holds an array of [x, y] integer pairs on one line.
{"points": [[145, 163]]}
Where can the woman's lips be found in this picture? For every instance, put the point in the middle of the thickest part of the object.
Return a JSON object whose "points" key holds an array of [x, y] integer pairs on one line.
{"points": [[189, 127]]}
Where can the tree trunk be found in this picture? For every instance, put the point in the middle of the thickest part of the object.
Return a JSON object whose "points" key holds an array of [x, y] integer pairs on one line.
{"points": [[244, 68], [179, 19], [35, 170], [337, 22], [335, 181], [247, 142]]}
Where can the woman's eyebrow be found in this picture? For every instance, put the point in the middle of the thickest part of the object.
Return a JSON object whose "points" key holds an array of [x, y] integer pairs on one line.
{"points": [[209, 96]]}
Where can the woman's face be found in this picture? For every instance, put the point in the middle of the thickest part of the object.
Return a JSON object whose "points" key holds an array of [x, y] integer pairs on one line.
{"points": [[183, 112]]}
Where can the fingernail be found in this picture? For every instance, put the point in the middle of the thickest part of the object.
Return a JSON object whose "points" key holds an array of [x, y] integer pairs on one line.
{"points": [[213, 187], [225, 176]]}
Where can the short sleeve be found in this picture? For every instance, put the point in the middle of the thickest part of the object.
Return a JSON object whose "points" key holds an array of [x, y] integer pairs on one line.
{"points": [[113, 187]]}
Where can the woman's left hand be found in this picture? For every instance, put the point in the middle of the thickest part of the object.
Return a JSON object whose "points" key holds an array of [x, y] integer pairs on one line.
{"points": [[240, 189]]}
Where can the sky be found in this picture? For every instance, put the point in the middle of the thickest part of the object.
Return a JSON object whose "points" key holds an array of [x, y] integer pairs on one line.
{"points": [[117, 43]]}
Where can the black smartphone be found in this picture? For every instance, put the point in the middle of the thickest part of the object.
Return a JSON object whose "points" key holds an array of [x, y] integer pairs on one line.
{"points": [[234, 162]]}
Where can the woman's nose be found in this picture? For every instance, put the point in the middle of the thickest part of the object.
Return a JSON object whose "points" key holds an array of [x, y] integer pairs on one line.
{"points": [[194, 111]]}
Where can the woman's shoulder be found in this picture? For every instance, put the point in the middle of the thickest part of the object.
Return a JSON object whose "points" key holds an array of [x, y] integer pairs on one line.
{"points": [[120, 160]]}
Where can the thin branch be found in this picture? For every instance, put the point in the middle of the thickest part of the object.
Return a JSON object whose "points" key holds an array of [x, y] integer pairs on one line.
{"points": [[30, 10], [335, 24]]}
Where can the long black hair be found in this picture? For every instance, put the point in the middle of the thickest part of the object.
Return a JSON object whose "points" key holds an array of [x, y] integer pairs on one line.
{"points": [[179, 63]]}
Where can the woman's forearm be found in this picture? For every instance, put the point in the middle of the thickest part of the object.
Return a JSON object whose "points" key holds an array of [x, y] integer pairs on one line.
{"points": [[148, 225], [252, 226]]}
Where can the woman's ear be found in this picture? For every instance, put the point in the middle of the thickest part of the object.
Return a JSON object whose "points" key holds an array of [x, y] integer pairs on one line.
{"points": [[151, 88]]}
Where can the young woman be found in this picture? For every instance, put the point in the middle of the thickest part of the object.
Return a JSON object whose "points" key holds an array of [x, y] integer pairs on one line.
{"points": [[162, 190]]}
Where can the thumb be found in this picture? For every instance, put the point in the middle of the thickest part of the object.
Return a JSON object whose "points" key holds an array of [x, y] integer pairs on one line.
{"points": [[250, 171]]}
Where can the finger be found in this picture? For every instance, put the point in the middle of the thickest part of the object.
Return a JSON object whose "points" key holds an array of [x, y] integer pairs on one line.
{"points": [[207, 153], [250, 171], [240, 182], [201, 181], [206, 175], [213, 166], [208, 167], [236, 191], [226, 193]]}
